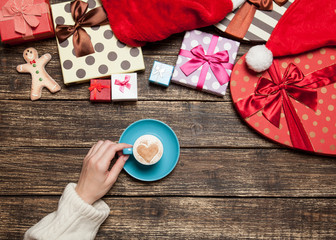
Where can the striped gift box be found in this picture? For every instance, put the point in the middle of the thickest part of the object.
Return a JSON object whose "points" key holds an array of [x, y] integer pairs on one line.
{"points": [[263, 22]]}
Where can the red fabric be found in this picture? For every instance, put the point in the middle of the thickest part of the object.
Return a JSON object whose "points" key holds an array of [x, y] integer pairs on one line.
{"points": [[306, 25], [136, 22]]}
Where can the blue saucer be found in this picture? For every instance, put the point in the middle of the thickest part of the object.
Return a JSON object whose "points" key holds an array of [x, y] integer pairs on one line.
{"points": [[170, 155]]}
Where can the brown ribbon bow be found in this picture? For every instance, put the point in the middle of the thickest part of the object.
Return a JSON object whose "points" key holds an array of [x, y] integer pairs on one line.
{"points": [[242, 20], [81, 40]]}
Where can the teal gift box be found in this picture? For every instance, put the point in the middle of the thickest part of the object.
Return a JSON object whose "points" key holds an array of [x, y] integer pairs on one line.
{"points": [[161, 73]]}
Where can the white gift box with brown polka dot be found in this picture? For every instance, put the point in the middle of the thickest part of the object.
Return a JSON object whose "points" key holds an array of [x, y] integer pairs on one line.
{"points": [[319, 126], [111, 55]]}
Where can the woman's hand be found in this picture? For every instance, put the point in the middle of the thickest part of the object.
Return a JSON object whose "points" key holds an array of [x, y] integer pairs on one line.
{"points": [[95, 179]]}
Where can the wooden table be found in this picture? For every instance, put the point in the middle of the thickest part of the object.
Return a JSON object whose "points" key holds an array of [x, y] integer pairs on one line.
{"points": [[229, 183]]}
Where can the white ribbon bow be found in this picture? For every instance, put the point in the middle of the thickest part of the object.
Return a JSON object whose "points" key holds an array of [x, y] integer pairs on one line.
{"points": [[159, 71]]}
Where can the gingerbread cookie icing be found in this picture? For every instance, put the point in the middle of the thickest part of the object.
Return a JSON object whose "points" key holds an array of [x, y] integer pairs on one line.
{"points": [[36, 67]]}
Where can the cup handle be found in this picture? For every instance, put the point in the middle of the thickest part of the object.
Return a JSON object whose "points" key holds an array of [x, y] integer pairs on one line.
{"points": [[128, 151]]}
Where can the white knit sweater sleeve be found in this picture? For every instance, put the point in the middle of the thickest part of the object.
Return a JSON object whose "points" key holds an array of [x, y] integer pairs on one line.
{"points": [[74, 219]]}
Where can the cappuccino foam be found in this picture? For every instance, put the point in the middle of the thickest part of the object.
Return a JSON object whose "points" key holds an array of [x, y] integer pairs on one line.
{"points": [[147, 149]]}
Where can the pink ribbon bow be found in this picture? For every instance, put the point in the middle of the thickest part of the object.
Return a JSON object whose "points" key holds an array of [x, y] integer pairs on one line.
{"points": [[218, 63], [124, 83], [24, 13]]}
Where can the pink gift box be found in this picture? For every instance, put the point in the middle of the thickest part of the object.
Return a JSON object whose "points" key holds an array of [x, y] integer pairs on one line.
{"points": [[205, 62]]}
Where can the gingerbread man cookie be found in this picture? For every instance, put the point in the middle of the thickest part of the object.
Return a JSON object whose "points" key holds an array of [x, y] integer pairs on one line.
{"points": [[40, 78]]}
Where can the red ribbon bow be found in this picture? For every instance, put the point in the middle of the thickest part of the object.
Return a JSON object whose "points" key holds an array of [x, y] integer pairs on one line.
{"points": [[31, 62], [97, 87], [24, 13], [272, 95], [124, 83], [218, 63]]}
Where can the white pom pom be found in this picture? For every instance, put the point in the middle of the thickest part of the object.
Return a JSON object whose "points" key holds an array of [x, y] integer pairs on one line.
{"points": [[259, 58]]}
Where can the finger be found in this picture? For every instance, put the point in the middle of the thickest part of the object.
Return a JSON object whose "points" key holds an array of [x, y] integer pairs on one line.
{"points": [[101, 151], [120, 146], [116, 169], [90, 151], [110, 152], [117, 148], [97, 147], [120, 153]]}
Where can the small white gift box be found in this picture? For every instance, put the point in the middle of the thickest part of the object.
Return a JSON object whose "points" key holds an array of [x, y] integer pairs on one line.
{"points": [[124, 87]]}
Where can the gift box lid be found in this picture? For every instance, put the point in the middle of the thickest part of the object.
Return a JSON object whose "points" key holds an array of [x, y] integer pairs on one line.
{"points": [[124, 87], [161, 73], [33, 24], [100, 90], [202, 76], [110, 55], [296, 107]]}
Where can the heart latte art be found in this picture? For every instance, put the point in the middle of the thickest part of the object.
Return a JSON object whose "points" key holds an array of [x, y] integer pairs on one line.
{"points": [[148, 149], [147, 152]]}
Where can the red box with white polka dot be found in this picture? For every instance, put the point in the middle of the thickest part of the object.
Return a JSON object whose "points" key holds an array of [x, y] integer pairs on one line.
{"points": [[292, 103]]}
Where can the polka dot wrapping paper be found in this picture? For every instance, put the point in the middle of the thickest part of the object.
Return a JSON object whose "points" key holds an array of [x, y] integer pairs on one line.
{"points": [[111, 55], [319, 126], [193, 39]]}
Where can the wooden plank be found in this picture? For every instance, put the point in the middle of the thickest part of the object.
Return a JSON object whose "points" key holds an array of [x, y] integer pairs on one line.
{"points": [[189, 218], [80, 124], [14, 85], [17, 86], [199, 172]]}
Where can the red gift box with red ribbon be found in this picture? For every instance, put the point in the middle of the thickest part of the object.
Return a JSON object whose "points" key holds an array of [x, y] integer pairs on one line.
{"points": [[293, 102], [100, 90], [25, 20]]}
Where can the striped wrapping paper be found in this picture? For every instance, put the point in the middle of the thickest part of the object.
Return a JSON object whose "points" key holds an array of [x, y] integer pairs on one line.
{"points": [[263, 22]]}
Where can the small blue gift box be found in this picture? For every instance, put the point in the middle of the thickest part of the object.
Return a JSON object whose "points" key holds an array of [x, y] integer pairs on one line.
{"points": [[161, 73]]}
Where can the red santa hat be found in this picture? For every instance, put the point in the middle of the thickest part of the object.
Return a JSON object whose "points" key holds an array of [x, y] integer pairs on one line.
{"points": [[306, 25], [136, 22]]}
